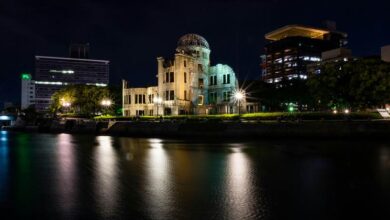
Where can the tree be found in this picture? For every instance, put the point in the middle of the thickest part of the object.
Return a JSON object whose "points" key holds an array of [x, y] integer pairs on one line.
{"points": [[81, 99], [358, 84]]}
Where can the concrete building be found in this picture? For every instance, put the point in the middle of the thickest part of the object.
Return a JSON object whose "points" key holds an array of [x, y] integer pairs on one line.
{"points": [[53, 73], [186, 84], [28, 91], [291, 48], [337, 55], [385, 53]]}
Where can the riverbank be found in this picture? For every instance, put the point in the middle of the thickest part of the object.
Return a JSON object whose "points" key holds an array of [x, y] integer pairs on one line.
{"points": [[274, 129], [213, 129]]}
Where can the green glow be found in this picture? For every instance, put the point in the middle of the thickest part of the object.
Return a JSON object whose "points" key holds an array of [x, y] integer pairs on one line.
{"points": [[26, 76], [291, 109]]}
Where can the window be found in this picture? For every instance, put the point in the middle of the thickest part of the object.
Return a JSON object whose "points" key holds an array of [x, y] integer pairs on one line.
{"points": [[213, 97], [171, 77], [200, 68], [167, 95], [213, 80], [150, 112], [200, 81], [226, 96], [136, 99], [228, 79], [143, 99], [150, 98], [185, 63], [171, 95], [166, 77], [185, 94], [224, 79], [185, 77]]}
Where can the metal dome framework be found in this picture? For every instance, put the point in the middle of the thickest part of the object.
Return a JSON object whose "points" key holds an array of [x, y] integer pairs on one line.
{"points": [[192, 40]]}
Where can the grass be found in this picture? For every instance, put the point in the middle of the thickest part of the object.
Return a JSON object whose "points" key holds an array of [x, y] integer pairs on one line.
{"points": [[256, 116]]}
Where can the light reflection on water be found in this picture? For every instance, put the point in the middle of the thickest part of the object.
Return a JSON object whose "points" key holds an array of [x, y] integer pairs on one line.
{"points": [[240, 192], [159, 183], [3, 163], [66, 171], [79, 177], [107, 182]]}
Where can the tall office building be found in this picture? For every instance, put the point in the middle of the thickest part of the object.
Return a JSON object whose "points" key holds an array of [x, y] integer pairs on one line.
{"points": [[53, 73], [291, 48]]}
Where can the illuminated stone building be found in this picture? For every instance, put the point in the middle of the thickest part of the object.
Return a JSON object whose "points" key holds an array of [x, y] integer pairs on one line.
{"points": [[186, 84], [291, 48]]}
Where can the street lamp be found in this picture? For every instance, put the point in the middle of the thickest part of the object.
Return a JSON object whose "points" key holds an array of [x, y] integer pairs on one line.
{"points": [[238, 96], [65, 103], [106, 102], [157, 100]]}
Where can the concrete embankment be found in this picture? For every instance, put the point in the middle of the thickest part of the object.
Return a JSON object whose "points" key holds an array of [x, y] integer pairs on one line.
{"points": [[307, 129]]}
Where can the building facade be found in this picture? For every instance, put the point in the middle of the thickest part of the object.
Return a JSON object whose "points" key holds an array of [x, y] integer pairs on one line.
{"points": [[293, 47], [338, 55], [52, 73], [385, 53], [27, 91], [186, 84]]}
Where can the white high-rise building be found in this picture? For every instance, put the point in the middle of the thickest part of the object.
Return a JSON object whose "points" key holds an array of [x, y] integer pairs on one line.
{"points": [[28, 91]]}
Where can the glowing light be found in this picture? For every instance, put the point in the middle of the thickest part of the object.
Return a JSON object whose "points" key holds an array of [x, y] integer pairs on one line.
{"points": [[65, 103], [346, 111], [157, 100], [239, 95], [62, 71], [5, 117], [335, 111], [26, 76], [106, 102]]}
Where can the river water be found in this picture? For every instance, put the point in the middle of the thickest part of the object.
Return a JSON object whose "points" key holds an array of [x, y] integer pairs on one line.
{"points": [[63, 176]]}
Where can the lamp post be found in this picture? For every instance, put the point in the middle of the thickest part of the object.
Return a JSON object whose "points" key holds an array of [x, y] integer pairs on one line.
{"points": [[106, 103], [65, 104], [238, 96], [157, 100]]}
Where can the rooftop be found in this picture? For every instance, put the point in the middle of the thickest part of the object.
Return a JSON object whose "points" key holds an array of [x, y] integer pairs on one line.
{"points": [[296, 31]]}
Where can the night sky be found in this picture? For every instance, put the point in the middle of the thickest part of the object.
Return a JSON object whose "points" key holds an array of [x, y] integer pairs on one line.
{"points": [[131, 34]]}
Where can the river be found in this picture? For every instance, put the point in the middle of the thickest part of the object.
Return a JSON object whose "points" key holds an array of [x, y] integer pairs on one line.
{"points": [[64, 176]]}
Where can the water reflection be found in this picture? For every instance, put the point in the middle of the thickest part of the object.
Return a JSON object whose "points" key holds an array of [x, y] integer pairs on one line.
{"points": [[107, 176], [384, 168], [159, 181], [3, 164], [66, 171], [240, 183], [24, 174]]}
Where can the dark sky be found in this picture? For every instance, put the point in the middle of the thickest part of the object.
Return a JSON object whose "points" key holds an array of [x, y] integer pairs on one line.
{"points": [[131, 34]]}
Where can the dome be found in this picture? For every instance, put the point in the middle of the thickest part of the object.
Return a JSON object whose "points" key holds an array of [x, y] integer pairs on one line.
{"points": [[192, 40]]}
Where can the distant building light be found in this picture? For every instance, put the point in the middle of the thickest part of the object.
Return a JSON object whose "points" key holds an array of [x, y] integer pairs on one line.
{"points": [[62, 71], [97, 84], [50, 83], [26, 76], [5, 118]]}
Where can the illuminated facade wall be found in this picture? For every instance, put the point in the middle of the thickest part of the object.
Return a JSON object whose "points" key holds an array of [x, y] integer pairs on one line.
{"points": [[187, 84], [292, 48], [52, 73], [28, 91]]}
